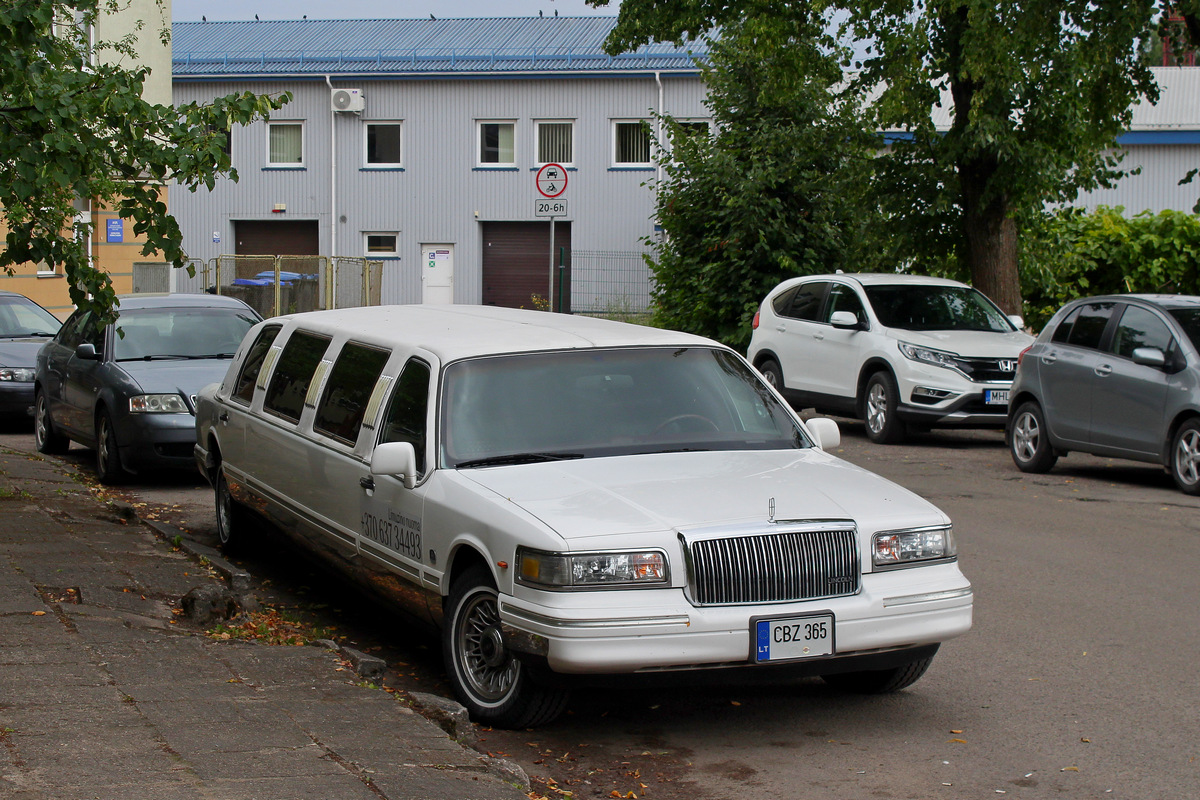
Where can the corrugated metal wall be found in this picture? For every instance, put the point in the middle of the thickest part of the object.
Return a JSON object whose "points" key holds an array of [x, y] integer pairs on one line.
{"points": [[1157, 187], [440, 195]]}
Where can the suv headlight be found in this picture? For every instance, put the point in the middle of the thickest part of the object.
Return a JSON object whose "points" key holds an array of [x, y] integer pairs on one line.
{"points": [[926, 355], [16, 375], [900, 548], [591, 570], [157, 404]]}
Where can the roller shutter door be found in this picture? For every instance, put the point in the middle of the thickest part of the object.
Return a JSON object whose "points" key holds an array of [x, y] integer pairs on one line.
{"points": [[516, 263]]}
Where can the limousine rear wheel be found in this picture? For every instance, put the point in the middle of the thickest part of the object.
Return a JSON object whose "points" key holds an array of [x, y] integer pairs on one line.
{"points": [[496, 687]]}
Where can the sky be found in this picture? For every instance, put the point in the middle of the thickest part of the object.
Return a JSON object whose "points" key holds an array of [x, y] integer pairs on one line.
{"points": [[192, 10]]}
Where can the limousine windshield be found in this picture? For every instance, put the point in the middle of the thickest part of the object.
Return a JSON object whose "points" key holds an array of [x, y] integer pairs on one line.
{"points": [[588, 403]]}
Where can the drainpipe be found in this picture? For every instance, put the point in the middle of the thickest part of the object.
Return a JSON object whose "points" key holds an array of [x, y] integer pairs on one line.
{"points": [[333, 218], [659, 123]]}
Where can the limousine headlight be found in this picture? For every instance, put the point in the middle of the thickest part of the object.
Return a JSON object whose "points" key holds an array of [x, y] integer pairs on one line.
{"points": [[157, 404], [899, 548], [591, 570]]}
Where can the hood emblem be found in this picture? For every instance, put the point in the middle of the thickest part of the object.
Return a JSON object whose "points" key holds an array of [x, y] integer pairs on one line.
{"points": [[771, 511], [1008, 366]]}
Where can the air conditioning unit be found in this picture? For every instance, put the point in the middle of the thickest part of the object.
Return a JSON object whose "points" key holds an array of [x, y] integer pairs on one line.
{"points": [[347, 100]]}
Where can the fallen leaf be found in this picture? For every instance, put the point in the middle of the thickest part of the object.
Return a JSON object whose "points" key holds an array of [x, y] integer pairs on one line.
{"points": [[1069, 769], [39, 613], [1085, 740], [957, 741], [953, 731]]}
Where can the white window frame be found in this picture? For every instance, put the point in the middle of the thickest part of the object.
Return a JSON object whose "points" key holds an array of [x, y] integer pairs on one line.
{"points": [[368, 164], [479, 162], [393, 253], [537, 141], [303, 143], [649, 162]]}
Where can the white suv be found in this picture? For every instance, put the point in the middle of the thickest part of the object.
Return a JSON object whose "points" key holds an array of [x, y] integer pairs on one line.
{"points": [[899, 352]]}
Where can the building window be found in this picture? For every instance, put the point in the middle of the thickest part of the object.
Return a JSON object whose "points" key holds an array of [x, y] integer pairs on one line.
{"points": [[555, 143], [631, 143], [383, 144], [382, 244], [496, 146], [286, 143]]}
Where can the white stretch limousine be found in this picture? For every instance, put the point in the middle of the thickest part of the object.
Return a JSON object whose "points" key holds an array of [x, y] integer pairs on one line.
{"points": [[567, 495]]}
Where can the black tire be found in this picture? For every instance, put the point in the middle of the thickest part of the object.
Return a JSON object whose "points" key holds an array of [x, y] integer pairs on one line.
{"points": [[879, 404], [233, 519], [1185, 457], [108, 458], [881, 681], [496, 687], [771, 370], [1029, 439], [45, 437]]}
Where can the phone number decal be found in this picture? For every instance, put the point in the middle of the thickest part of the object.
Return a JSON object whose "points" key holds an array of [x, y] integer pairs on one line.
{"points": [[398, 533]]}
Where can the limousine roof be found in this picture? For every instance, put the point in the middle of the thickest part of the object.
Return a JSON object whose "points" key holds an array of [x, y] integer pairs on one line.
{"points": [[463, 331]]}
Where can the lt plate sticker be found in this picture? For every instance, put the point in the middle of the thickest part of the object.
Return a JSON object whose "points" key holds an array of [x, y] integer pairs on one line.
{"points": [[793, 637]]}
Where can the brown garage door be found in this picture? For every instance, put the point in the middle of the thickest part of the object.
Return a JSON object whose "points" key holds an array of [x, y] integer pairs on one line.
{"points": [[516, 263], [277, 238]]}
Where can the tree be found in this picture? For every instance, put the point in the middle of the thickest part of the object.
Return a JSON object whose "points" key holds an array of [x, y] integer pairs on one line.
{"points": [[74, 126], [772, 192], [1038, 90]]}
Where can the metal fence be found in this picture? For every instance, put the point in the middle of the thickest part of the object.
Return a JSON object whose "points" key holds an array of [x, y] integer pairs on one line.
{"points": [[610, 283], [274, 285]]}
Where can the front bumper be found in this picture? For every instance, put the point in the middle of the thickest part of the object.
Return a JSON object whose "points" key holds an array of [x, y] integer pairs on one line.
{"points": [[16, 399], [964, 403], [653, 630], [156, 441]]}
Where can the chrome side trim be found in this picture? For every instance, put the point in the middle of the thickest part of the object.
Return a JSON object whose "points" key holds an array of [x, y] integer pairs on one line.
{"points": [[583, 624], [928, 597]]}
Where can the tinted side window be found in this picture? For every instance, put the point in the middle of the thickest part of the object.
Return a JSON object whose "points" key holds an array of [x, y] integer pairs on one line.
{"points": [[1063, 332], [1089, 325], [353, 377], [244, 389], [1140, 328], [783, 301], [806, 304], [843, 298], [405, 420], [293, 373]]}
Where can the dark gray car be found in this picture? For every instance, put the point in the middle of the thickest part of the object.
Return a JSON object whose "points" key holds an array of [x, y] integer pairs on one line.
{"points": [[128, 389], [24, 328], [1113, 376]]}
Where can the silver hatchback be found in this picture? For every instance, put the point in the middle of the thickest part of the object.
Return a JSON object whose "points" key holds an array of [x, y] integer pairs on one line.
{"points": [[1112, 376]]}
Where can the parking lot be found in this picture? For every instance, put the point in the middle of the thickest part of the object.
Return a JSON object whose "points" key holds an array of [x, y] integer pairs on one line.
{"points": [[1076, 680]]}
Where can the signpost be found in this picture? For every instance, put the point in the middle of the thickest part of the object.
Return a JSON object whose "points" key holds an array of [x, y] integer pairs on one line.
{"points": [[551, 183]]}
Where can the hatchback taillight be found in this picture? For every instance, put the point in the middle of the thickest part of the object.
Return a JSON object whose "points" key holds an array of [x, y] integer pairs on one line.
{"points": [[1022, 355], [754, 325]]}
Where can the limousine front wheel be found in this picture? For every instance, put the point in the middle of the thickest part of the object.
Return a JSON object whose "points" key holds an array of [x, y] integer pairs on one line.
{"points": [[231, 517], [488, 679]]}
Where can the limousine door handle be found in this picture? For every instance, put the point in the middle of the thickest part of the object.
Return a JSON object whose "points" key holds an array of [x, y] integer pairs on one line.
{"points": [[367, 483]]}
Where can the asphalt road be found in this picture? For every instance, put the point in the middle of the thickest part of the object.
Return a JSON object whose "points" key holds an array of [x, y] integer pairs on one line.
{"points": [[1077, 681]]}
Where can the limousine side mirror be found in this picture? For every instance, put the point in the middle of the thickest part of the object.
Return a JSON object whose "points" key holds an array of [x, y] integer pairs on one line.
{"points": [[1017, 320], [825, 431], [396, 458]]}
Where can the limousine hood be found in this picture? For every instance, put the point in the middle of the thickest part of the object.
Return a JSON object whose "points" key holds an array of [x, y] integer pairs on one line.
{"points": [[600, 497]]}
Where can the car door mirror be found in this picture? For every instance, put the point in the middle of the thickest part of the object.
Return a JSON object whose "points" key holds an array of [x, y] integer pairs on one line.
{"points": [[1017, 320], [86, 351], [398, 459], [824, 431], [844, 320], [1149, 357]]}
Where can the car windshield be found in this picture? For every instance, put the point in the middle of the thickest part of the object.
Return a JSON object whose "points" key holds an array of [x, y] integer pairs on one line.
{"points": [[1189, 320], [180, 333], [936, 308], [588, 403], [20, 317]]}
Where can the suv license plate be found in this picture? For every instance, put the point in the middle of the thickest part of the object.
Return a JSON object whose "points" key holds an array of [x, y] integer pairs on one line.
{"points": [[995, 397], [790, 638]]}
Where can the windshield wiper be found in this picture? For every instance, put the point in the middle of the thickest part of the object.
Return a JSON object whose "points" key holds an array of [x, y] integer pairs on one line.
{"points": [[28, 335], [516, 458], [162, 357]]}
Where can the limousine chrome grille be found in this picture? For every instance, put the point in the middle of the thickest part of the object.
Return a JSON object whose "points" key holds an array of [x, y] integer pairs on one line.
{"points": [[794, 564]]}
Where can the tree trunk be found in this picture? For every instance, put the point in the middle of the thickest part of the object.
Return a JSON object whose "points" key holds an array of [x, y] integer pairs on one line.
{"points": [[992, 253]]}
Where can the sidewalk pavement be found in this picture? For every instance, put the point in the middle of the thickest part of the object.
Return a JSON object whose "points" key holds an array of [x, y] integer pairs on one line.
{"points": [[104, 696]]}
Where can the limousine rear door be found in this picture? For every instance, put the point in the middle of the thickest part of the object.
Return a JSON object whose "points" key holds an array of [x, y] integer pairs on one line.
{"points": [[390, 522]]}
